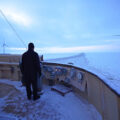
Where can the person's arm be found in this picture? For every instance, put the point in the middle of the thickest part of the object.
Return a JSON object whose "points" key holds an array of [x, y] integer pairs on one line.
{"points": [[22, 66], [38, 64]]}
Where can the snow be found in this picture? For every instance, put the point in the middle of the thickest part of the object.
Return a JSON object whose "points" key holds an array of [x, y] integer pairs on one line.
{"points": [[104, 65], [51, 106]]}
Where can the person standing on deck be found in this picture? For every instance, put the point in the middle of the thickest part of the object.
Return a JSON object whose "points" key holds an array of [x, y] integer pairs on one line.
{"points": [[30, 67]]}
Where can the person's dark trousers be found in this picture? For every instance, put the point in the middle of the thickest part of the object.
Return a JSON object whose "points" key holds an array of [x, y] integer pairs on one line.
{"points": [[32, 83]]}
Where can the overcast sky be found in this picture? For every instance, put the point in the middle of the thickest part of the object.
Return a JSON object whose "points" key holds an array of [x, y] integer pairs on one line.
{"points": [[58, 26]]}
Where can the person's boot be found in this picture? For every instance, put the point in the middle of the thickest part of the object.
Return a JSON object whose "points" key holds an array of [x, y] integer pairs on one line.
{"points": [[29, 97], [36, 97]]}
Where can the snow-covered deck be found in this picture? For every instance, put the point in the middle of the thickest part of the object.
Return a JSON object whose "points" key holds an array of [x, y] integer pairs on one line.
{"points": [[51, 105]]}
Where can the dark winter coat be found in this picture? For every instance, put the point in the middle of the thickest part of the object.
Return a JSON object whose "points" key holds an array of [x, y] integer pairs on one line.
{"points": [[30, 65]]}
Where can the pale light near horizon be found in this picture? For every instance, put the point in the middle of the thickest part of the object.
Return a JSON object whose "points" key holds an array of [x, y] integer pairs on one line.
{"points": [[97, 48]]}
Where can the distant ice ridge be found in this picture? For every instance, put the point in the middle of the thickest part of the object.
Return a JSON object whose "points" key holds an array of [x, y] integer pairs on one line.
{"points": [[105, 65], [77, 60]]}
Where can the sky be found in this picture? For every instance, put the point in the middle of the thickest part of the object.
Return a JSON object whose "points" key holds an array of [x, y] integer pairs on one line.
{"points": [[60, 26]]}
